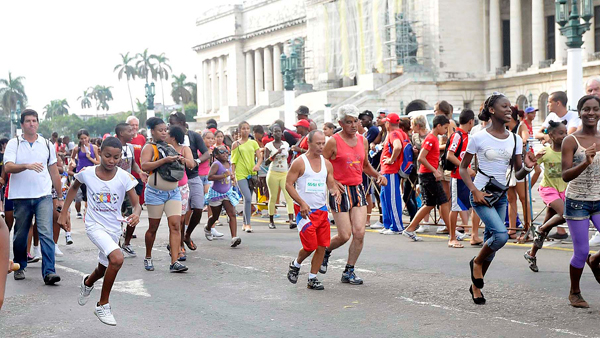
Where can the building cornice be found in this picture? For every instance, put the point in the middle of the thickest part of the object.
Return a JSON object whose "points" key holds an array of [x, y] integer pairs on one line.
{"points": [[262, 31]]}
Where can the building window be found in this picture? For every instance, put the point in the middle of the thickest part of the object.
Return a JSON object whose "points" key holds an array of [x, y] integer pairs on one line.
{"points": [[506, 43], [597, 29], [550, 38]]}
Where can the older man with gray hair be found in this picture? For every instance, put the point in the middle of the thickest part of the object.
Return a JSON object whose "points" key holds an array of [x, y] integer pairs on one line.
{"points": [[347, 152]]}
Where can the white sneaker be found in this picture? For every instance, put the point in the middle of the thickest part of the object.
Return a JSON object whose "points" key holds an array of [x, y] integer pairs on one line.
{"points": [[376, 226], [235, 241], [68, 238], [412, 236], [215, 233], [57, 251], [391, 232], [104, 313], [37, 252], [422, 228], [441, 229], [84, 291], [595, 240], [460, 236], [382, 230]]}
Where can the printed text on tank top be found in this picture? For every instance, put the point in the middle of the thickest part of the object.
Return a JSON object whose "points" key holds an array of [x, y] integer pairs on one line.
{"points": [[585, 187], [312, 184]]}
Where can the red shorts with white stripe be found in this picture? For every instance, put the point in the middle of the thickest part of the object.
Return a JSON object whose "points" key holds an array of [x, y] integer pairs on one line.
{"points": [[314, 231]]}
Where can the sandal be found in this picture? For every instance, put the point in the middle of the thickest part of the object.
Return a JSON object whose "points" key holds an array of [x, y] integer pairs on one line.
{"points": [[595, 270], [513, 235], [190, 244], [455, 245], [182, 256], [480, 243], [478, 282]]}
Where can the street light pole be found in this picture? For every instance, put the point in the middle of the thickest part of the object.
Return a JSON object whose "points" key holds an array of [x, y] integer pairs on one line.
{"points": [[573, 29], [150, 92]]}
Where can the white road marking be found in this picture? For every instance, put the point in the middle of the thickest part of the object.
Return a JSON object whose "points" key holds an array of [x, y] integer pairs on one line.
{"points": [[447, 308], [133, 287]]}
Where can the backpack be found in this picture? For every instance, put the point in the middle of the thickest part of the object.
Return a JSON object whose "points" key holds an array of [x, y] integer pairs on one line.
{"points": [[170, 172], [406, 156], [448, 165]]}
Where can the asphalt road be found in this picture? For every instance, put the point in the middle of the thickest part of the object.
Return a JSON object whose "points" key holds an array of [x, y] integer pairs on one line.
{"points": [[410, 290]]}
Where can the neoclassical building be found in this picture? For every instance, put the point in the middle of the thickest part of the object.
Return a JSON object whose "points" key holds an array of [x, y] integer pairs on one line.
{"points": [[402, 55]]}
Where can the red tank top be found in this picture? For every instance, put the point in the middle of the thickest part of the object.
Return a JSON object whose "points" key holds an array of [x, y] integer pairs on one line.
{"points": [[348, 163]]}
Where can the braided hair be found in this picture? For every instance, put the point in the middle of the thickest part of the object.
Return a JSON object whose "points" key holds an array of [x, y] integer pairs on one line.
{"points": [[485, 114], [553, 125]]}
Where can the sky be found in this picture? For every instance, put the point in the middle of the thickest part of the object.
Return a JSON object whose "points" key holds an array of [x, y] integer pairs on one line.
{"points": [[63, 47]]}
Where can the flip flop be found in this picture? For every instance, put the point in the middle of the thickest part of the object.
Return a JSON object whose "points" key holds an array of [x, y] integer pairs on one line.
{"points": [[595, 270], [477, 243], [190, 244], [456, 246]]}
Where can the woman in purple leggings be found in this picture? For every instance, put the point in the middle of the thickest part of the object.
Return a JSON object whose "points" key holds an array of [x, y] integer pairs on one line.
{"points": [[581, 168]]}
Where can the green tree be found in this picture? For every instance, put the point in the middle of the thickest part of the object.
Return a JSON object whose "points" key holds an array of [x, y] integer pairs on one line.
{"points": [[85, 99], [194, 89], [63, 125], [142, 113], [162, 69], [144, 66], [12, 92], [129, 70], [56, 108], [191, 110], [179, 90], [102, 95]]}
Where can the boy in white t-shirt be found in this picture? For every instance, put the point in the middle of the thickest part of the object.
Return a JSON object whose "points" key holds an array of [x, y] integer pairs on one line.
{"points": [[107, 185]]}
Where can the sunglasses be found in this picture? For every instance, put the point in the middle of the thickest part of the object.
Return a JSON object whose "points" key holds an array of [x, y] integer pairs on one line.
{"points": [[221, 151]]}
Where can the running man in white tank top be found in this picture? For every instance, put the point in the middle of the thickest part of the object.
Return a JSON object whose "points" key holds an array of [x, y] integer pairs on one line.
{"points": [[307, 182]]}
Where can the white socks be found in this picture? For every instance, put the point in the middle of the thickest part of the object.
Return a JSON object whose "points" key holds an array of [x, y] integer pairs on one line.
{"points": [[296, 264], [312, 275]]}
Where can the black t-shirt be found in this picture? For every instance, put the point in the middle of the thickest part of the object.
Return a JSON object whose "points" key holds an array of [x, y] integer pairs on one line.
{"points": [[196, 143], [289, 138]]}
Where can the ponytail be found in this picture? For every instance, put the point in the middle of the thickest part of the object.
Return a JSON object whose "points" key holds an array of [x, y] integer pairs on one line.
{"points": [[485, 114]]}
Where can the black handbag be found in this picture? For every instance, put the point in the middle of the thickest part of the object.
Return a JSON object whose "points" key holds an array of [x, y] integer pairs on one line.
{"points": [[494, 188]]}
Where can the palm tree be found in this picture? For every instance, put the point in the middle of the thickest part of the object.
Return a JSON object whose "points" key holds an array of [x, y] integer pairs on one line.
{"points": [[12, 92], [85, 99], [56, 108], [129, 70], [102, 95], [144, 65], [179, 90], [162, 69]]}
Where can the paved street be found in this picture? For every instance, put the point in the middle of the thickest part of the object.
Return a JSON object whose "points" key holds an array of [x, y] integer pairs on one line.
{"points": [[410, 290]]}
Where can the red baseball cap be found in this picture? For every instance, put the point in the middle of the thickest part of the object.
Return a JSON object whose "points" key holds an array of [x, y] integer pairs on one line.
{"points": [[393, 118], [303, 123]]}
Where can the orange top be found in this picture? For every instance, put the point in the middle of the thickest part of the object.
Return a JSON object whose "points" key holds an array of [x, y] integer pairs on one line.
{"points": [[348, 163]]}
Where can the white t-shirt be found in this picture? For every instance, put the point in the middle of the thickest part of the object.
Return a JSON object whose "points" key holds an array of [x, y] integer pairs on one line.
{"points": [[493, 154], [127, 158], [105, 197], [280, 161], [572, 118]]}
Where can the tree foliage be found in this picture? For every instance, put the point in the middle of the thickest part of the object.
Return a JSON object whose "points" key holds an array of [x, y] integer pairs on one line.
{"points": [[12, 91], [56, 108], [128, 69], [102, 95]]}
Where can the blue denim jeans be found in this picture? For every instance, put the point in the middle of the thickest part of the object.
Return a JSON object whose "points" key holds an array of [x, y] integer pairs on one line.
{"points": [[495, 234], [25, 209]]}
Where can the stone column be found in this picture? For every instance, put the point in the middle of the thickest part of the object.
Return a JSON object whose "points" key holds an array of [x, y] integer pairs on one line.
{"points": [[495, 36], [222, 81], [250, 97], [214, 81], [538, 36], [516, 35], [259, 78], [588, 41], [268, 69], [206, 79], [277, 76], [560, 45]]}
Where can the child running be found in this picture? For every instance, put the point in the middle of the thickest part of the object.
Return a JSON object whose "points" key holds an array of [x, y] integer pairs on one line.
{"points": [[107, 185], [552, 189], [221, 194]]}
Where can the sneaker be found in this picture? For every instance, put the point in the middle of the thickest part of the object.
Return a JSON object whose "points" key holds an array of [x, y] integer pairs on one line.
{"points": [[19, 274], [293, 272], [314, 284], [539, 239], [442, 230], [57, 251], [128, 250], [235, 241], [31, 259], [558, 236], [68, 239], [382, 230], [37, 252], [208, 234], [391, 232], [178, 267], [218, 223], [148, 265], [104, 313], [84, 291], [411, 235], [350, 277], [51, 279], [422, 228], [595, 240], [376, 226], [79, 216], [460, 236], [532, 261], [323, 268], [215, 233], [293, 225], [578, 301], [272, 226]]}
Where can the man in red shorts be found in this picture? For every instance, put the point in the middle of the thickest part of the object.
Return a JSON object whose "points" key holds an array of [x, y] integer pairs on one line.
{"points": [[312, 174]]}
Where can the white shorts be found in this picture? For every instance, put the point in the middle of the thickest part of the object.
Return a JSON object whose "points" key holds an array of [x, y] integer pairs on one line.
{"points": [[104, 240]]}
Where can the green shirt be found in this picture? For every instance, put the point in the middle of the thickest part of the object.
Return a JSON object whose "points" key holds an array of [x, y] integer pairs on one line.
{"points": [[243, 158], [552, 170]]}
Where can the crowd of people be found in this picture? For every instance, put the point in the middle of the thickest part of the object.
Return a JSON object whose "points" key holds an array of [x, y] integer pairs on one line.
{"points": [[477, 168]]}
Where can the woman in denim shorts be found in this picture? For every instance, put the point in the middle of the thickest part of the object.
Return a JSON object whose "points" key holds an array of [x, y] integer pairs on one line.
{"points": [[494, 148], [161, 196], [581, 168]]}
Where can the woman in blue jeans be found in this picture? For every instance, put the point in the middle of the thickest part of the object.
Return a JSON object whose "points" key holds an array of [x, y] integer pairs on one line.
{"points": [[494, 148]]}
